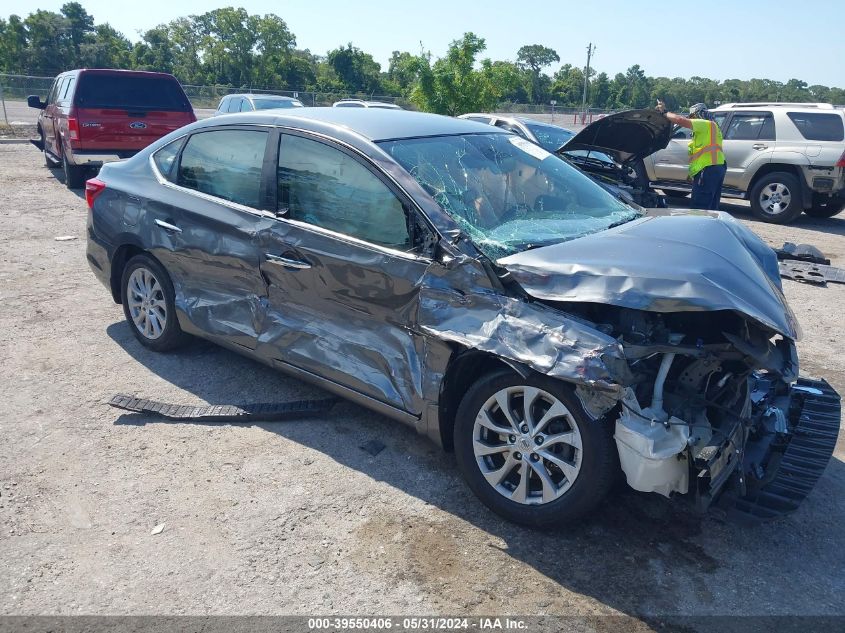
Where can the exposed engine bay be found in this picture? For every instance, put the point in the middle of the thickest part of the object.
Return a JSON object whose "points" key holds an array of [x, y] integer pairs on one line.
{"points": [[709, 408]]}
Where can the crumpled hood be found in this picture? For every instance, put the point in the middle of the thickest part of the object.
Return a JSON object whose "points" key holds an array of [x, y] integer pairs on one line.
{"points": [[625, 136], [668, 261]]}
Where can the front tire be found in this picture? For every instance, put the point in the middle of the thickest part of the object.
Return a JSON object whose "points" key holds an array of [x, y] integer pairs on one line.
{"points": [[148, 304], [776, 198], [529, 452]]}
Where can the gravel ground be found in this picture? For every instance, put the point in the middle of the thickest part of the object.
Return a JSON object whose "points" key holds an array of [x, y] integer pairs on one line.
{"points": [[294, 517]]}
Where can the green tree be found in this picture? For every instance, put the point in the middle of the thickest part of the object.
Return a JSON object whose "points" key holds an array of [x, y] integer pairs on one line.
{"points": [[356, 70], [80, 26], [533, 58], [106, 48], [452, 85]]}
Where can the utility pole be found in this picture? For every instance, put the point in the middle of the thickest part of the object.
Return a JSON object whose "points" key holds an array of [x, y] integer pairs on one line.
{"points": [[590, 50]]}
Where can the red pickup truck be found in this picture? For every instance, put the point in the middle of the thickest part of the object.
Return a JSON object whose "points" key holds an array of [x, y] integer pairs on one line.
{"points": [[93, 117]]}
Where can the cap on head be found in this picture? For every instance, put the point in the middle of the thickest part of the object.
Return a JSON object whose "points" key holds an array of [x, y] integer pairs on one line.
{"points": [[698, 111]]}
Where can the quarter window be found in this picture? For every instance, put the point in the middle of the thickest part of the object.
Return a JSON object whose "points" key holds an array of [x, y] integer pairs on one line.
{"points": [[225, 164], [165, 158], [751, 127], [325, 187], [818, 126]]}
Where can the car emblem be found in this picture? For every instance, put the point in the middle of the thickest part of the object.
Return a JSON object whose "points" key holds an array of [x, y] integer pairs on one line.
{"points": [[137, 125]]}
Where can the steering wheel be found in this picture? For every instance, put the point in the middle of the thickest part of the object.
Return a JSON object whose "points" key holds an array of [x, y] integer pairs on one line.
{"points": [[513, 212]]}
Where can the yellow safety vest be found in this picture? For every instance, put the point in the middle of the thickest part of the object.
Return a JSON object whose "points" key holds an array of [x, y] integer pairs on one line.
{"points": [[705, 148]]}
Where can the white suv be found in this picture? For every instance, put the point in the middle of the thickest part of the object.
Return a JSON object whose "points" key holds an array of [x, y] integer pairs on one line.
{"points": [[784, 158]]}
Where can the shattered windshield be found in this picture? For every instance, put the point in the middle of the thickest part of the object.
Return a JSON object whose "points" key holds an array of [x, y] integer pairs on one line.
{"points": [[506, 193]]}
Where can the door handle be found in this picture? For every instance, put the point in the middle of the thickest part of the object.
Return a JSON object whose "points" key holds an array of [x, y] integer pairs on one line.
{"points": [[759, 146], [168, 227], [287, 263]]}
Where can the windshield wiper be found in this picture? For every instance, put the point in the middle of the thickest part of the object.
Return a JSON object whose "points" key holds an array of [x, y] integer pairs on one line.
{"points": [[613, 225]]}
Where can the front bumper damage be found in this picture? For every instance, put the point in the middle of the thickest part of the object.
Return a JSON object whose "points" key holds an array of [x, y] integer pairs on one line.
{"points": [[780, 469]]}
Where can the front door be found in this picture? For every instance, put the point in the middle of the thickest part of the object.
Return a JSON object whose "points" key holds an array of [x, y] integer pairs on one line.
{"points": [[343, 271]]}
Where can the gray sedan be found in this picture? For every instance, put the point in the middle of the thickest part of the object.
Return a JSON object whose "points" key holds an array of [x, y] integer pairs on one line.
{"points": [[470, 284]]}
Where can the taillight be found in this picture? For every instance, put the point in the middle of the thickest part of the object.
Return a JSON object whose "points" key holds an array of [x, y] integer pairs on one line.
{"points": [[841, 161], [93, 188], [73, 128]]}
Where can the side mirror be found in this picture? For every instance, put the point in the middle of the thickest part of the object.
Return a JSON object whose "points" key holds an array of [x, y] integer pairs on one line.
{"points": [[34, 101]]}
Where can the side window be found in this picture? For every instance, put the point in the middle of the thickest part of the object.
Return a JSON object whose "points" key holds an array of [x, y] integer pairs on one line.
{"points": [[719, 118], [818, 126], [66, 91], [323, 186], [510, 128], [751, 127], [235, 104], [165, 158], [51, 96], [246, 106], [225, 164], [224, 105]]}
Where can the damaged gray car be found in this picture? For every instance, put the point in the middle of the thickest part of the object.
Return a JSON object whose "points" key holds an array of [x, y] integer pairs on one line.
{"points": [[466, 282]]}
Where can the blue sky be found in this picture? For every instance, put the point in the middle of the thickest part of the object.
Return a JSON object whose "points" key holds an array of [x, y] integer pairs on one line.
{"points": [[717, 39]]}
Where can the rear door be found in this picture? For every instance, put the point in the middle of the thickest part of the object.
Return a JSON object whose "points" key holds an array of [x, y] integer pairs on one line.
{"points": [[749, 138], [203, 219], [118, 111], [344, 271]]}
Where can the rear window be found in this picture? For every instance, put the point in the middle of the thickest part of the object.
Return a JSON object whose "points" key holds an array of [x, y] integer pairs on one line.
{"points": [[817, 126], [131, 92]]}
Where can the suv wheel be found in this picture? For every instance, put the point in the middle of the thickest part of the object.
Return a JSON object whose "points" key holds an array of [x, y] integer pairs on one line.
{"points": [[776, 198], [148, 305], [529, 452], [826, 209], [74, 174]]}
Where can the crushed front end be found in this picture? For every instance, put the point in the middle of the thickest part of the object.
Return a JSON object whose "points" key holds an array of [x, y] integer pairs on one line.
{"points": [[716, 412]]}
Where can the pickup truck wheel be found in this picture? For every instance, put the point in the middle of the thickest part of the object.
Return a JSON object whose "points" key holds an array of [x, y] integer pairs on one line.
{"points": [[776, 198], [826, 210], [529, 452], [74, 174]]}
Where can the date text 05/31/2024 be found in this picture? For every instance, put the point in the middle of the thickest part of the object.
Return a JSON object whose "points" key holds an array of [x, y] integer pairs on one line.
{"points": [[481, 624]]}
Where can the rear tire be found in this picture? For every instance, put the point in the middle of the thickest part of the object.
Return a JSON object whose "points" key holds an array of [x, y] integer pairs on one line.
{"points": [[570, 460], [146, 293], [826, 210], [776, 198], [74, 174]]}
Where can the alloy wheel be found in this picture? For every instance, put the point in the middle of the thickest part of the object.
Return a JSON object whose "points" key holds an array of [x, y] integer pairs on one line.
{"points": [[146, 303], [775, 198], [527, 445]]}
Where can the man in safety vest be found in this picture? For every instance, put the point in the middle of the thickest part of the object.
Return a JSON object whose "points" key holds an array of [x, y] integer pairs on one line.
{"points": [[706, 160]]}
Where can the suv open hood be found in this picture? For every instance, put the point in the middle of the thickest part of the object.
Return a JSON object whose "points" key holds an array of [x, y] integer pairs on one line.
{"points": [[625, 136], [665, 262]]}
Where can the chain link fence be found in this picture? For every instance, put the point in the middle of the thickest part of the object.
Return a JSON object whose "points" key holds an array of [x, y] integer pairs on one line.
{"points": [[16, 88]]}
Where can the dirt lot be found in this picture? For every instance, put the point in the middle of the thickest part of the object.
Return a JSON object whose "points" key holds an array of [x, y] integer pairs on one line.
{"points": [[295, 517]]}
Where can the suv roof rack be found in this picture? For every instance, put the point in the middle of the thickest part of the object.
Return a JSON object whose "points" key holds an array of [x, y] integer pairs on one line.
{"points": [[771, 104]]}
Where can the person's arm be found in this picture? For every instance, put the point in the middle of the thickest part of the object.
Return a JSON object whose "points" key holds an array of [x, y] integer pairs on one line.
{"points": [[677, 119]]}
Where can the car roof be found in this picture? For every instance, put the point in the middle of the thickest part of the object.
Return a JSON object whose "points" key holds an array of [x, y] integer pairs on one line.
{"points": [[115, 71], [252, 95], [371, 123], [775, 104]]}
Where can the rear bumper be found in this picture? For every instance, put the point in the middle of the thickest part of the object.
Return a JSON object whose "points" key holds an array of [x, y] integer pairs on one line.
{"points": [[794, 461], [96, 158], [98, 253]]}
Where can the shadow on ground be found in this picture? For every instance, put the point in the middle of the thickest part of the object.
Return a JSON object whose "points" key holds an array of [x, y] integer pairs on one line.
{"points": [[636, 550]]}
